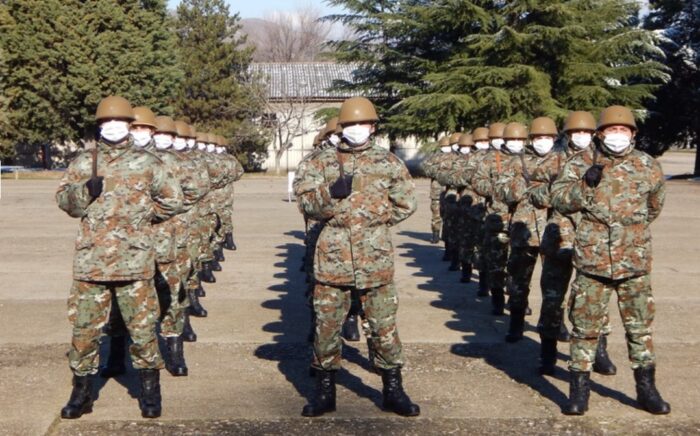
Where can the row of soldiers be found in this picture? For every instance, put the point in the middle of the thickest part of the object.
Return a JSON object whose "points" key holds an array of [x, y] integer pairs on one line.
{"points": [[155, 203], [504, 196]]}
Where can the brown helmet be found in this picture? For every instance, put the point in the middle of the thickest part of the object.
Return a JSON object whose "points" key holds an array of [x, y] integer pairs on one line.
{"points": [[202, 137], [466, 140], [579, 120], [331, 127], [165, 125], [143, 116], [193, 132], [480, 134], [114, 107], [454, 138], [357, 110], [496, 130], [515, 131], [543, 126], [444, 141], [317, 140], [182, 129], [616, 115]]}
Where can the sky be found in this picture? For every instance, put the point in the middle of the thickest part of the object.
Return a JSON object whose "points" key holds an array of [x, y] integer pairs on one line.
{"points": [[259, 8]]}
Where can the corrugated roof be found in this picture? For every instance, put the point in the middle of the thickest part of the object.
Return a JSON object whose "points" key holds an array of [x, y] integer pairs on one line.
{"points": [[308, 80]]}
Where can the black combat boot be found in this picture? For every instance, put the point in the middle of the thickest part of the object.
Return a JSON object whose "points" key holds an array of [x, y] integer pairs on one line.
{"points": [[324, 401], [483, 285], [176, 358], [149, 400], [350, 330], [205, 274], [188, 334], [602, 364], [647, 395], [517, 326], [115, 361], [228, 242], [579, 391], [199, 291], [498, 302], [564, 335], [215, 265], [466, 273], [196, 308], [436, 237], [80, 401], [395, 399], [548, 356], [219, 254]]}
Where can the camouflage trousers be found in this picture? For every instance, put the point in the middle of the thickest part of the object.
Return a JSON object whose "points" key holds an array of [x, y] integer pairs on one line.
{"points": [[521, 265], [494, 252], [467, 237], [379, 305], [588, 309], [88, 309], [557, 270], [176, 275], [207, 227], [436, 218]]}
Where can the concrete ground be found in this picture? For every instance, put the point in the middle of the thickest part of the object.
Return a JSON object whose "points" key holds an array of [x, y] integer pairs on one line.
{"points": [[248, 372]]}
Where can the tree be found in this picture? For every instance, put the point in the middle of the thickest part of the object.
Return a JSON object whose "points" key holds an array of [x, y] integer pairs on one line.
{"points": [[64, 56], [673, 118], [216, 93], [6, 151], [292, 37]]}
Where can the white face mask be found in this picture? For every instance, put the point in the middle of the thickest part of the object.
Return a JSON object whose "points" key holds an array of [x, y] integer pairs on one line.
{"points": [[617, 143], [482, 145], [357, 134], [455, 147], [543, 145], [114, 131], [515, 146], [581, 140], [219, 150], [464, 150], [211, 148], [497, 143], [201, 146], [334, 139], [446, 149], [141, 137], [191, 143], [163, 141], [179, 144]]}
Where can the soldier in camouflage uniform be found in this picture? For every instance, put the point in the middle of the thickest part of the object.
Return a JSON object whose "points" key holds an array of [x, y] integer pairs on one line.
{"points": [[557, 248], [429, 167], [526, 221], [116, 191], [236, 170], [477, 211], [359, 190], [450, 220], [495, 245], [619, 191]]}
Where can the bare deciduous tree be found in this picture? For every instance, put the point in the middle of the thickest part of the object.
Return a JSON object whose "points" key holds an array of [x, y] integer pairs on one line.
{"points": [[292, 37]]}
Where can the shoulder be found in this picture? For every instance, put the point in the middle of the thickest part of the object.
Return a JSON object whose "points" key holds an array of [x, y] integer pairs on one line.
{"points": [[645, 159]]}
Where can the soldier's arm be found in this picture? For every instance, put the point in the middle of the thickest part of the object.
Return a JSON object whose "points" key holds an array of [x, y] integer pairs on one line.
{"points": [[72, 195], [570, 194], [166, 194], [539, 190], [239, 171], [402, 194], [510, 187], [657, 195], [481, 181], [311, 191]]}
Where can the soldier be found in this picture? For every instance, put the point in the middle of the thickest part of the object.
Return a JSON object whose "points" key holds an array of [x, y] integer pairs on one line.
{"points": [[619, 191], [526, 222], [557, 248], [116, 191], [236, 170], [495, 244], [451, 212], [430, 168], [477, 211], [359, 190]]}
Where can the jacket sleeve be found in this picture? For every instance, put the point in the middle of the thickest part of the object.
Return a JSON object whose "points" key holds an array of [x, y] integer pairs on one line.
{"points": [[312, 193], [402, 195], [72, 195], [481, 182], [657, 195], [166, 194], [511, 186], [570, 194]]}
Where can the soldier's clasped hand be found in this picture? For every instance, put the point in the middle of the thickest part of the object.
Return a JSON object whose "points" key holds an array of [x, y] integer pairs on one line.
{"points": [[94, 186], [341, 188], [593, 175]]}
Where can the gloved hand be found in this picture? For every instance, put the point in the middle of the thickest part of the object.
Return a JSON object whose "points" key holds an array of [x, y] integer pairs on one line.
{"points": [[593, 175], [341, 188], [94, 186]]}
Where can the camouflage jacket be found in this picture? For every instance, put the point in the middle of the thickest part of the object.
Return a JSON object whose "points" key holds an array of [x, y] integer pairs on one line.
{"points": [[115, 236], [354, 247], [195, 186], [527, 223], [431, 162], [613, 239], [560, 230], [484, 182]]}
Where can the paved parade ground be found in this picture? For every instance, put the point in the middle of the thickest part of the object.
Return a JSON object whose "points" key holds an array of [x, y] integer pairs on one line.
{"points": [[249, 369]]}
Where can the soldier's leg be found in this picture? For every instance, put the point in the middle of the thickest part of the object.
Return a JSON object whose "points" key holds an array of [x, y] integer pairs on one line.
{"points": [[521, 265], [173, 322], [435, 220], [331, 306], [117, 333], [215, 241], [497, 258], [88, 309], [554, 282], [206, 254]]}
